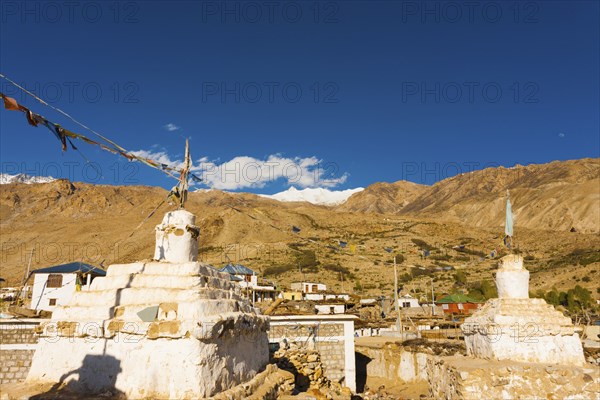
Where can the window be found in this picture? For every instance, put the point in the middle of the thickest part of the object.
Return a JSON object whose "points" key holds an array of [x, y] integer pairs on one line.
{"points": [[331, 310], [51, 302], [248, 278], [314, 289], [460, 306], [405, 304], [445, 306], [54, 281]]}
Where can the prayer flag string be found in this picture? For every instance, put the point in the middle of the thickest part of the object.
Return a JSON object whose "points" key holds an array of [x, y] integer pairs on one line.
{"points": [[65, 136]]}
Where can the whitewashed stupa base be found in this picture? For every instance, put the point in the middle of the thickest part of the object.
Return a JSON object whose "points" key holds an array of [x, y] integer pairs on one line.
{"points": [[517, 328], [158, 329]]}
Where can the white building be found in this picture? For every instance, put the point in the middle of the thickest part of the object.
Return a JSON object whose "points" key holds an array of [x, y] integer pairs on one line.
{"points": [[330, 308], [248, 279], [309, 287], [54, 286], [325, 296], [368, 301], [337, 296], [407, 301]]}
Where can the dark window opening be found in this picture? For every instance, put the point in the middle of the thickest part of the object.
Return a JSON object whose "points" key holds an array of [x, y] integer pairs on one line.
{"points": [[54, 281]]}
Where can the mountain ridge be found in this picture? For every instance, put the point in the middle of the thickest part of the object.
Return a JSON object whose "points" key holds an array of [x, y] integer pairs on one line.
{"points": [[560, 195]]}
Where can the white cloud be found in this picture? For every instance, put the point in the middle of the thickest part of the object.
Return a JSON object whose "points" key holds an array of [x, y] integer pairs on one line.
{"points": [[561, 135], [171, 127], [248, 172], [244, 172]]}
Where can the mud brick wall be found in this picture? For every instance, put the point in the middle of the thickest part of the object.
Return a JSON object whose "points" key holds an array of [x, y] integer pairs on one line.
{"points": [[17, 345]]}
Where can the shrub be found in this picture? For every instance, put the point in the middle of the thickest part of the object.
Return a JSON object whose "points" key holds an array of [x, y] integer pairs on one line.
{"points": [[420, 271], [338, 269], [460, 277], [277, 269], [441, 257], [357, 286], [466, 250], [423, 245], [483, 290]]}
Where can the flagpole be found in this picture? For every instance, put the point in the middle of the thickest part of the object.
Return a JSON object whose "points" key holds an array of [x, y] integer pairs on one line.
{"points": [[398, 319], [508, 225]]}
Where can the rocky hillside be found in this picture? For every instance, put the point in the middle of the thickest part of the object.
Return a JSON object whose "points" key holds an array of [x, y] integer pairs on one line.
{"points": [[383, 197], [553, 196], [66, 221]]}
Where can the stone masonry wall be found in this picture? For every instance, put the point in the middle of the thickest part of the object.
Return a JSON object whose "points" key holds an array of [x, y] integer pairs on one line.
{"points": [[327, 339], [332, 357], [15, 365], [331, 350], [17, 342]]}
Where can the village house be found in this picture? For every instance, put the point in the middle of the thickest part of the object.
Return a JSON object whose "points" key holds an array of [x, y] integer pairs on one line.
{"points": [[330, 308], [458, 304], [308, 287], [291, 295], [54, 286], [248, 280], [407, 301]]}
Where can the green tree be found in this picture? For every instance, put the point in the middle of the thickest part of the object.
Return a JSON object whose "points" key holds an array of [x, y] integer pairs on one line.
{"points": [[399, 258], [460, 277], [483, 290], [553, 297], [357, 286], [578, 299]]}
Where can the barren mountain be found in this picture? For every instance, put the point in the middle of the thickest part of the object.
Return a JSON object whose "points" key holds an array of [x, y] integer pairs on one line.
{"points": [[383, 197], [64, 221], [554, 196]]}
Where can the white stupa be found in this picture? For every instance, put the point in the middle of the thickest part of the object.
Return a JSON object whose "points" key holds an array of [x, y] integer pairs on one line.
{"points": [[517, 328], [167, 328]]}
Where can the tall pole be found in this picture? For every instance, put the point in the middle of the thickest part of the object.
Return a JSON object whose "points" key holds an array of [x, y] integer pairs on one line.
{"points": [[398, 320], [432, 299], [28, 267]]}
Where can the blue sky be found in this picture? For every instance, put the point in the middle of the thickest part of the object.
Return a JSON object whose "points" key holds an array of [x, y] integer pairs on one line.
{"points": [[309, 94]]}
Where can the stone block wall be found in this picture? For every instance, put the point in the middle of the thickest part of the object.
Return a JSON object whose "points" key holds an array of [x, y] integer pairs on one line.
{"points": [[327, 339], [330, 335], [14, 365], [17, 345], [333, 359]]}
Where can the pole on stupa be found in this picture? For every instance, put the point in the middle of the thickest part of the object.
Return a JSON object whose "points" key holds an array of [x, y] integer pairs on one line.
{"points": [[184, 176], [508, 226]]}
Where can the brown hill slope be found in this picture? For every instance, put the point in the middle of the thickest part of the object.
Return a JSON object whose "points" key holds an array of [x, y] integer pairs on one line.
{"points": [[64, 222], [556, 196], [383, 197]]}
